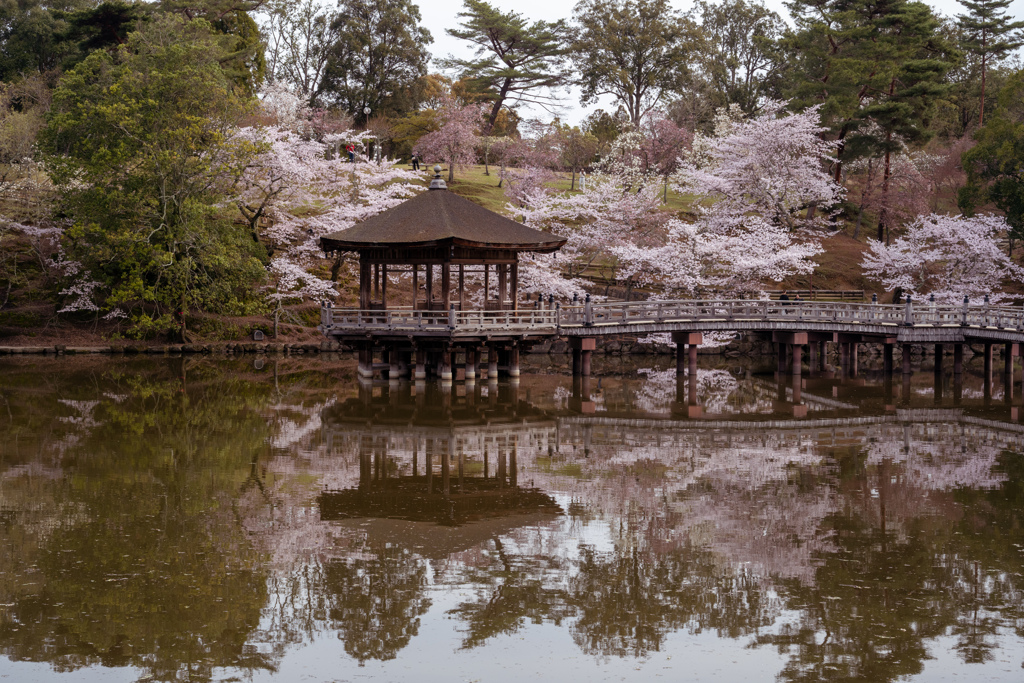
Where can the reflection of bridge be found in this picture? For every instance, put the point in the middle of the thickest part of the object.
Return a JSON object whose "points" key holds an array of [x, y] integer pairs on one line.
{"points": [[792, 326], [496, 431]]}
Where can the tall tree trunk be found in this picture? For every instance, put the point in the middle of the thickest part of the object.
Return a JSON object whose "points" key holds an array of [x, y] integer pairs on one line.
{"points": [[864, 198], [883, 215], [572, 185], [981, 111]]}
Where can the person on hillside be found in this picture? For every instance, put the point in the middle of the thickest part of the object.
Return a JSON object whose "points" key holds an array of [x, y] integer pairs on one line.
{"points": [[351, 149], [415, 162], [784, 298]]}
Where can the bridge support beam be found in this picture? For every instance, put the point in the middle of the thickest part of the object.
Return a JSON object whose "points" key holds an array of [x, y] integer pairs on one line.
{"points": [[887, 360], [795, 341], [513, 361], [812, 356], [420, 367], [686, 350], [365, 368], [958, 359], [797, 367], [492, 363], [445, 364], [394, 364], [584, 346]]}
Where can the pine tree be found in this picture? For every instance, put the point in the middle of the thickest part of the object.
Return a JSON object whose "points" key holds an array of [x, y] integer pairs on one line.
{"points": [[875, 66], [514, 60], [990, 35]]}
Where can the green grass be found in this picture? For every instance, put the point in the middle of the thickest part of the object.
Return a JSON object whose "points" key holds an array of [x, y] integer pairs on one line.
{"points": [[471, 183]]}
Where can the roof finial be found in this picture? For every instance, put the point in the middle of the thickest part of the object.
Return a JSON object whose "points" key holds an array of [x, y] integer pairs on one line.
{"points": [[437, 183]]}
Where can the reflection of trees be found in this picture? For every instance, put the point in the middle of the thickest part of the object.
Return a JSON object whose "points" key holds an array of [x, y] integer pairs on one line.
{"points": [[908, 566], [511, 588], [628, 599], [377, 597], [138, 560]]}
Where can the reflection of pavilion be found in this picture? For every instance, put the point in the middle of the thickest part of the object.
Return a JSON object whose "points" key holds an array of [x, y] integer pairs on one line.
{"points": [[425, 457]]}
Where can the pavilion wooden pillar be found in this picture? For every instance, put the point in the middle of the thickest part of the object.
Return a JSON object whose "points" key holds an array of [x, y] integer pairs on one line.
{"points": [[364, 284], [502, 283], [383, 268], [429, 275], [415, 284], [462, 287], [514, 285], [446, 285]]}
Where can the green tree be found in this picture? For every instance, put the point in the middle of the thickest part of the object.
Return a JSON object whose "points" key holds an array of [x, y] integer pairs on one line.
{"points": [[875, 66], [33, 36], [995, 165], [743, 60], [990, 36], [514, 59], [378, 56], [576, 149], [637, 51], [142, 144]]}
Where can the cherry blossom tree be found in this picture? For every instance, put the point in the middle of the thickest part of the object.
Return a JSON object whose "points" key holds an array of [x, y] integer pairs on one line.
{"points": [[948, 256], [757, 188], [769, 166], [456, 141], [598, 222], [305, 191]]}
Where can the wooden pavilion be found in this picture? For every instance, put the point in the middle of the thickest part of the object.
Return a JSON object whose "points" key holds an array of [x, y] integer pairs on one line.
{"points": [[438, 239]]}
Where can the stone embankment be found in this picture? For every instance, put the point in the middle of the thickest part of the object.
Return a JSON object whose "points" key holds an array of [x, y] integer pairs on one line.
{"points": [[176, 349]]}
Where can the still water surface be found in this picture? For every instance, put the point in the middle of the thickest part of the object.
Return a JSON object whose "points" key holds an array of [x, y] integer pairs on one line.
{"points": [[203, 520]]}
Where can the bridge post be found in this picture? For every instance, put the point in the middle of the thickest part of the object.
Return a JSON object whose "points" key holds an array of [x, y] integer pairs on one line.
{"points": [[686, 350], [395, 363], [887, 360], [420, 369], [812, 356], [513, 361], [782, 358], [958, 359], [797, 363], [471, 353], [365, 368], [823, 356], [585, 347], [908, 313], [445, 366], [844, 357], [854, 358], [577, 362], [492, 363]]}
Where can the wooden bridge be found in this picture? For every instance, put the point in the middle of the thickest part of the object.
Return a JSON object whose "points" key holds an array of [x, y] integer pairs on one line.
{"points": [[792, 325]]}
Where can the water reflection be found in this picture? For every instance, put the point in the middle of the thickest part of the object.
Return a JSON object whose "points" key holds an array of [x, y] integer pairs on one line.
{"points": [[196, 520]]}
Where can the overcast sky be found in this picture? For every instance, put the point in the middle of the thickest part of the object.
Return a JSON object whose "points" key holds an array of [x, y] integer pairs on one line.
{"points": [[439, 15]]}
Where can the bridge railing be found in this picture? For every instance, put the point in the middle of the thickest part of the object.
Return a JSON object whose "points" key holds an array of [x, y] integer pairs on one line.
{"points": [[635, 313], [592, 314], [408, 320]]}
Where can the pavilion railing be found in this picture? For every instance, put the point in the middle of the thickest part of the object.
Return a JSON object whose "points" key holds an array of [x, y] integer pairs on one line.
{"points": [[408, 320], [593, 314]]}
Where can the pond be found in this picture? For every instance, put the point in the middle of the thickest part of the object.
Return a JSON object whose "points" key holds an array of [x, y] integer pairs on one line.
{"points": [[196, 519]]}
